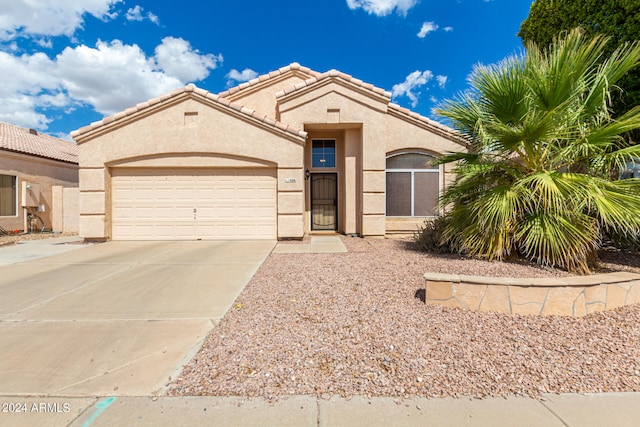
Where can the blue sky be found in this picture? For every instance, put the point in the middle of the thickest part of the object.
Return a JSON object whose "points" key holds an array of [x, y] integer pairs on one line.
{"points": [[67, 63]]}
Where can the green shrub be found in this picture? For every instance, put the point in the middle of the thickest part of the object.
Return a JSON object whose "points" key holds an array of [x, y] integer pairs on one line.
{"points": [[536, 181]]}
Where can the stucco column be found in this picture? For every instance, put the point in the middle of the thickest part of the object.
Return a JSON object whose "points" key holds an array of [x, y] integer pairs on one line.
{"points": [[373, 180], [291, 203], [352, 140]]}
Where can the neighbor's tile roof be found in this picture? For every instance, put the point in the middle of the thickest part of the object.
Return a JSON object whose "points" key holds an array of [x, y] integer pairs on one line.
{"points": [[20, 140], [291, 68], [190, 88]]}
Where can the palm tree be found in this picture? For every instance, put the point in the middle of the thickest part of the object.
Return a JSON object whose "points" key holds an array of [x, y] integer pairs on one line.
{"points": [[540, 179]]}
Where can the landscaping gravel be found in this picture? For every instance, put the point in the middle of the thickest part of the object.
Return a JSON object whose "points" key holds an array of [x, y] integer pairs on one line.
{"points": [[15, 238], [355, 324]]}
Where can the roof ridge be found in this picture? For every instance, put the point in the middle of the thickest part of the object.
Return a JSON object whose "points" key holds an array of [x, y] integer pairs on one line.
{"points": [[29, 141], [334, 73], [268, 76], [190, 88]]}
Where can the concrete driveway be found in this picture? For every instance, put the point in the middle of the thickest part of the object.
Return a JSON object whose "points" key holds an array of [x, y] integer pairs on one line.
{"points": [[118, 318]]}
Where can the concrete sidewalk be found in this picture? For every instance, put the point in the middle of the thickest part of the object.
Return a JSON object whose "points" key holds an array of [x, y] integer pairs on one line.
{"points": [[317, 245], [614, 409], [29, 250]]}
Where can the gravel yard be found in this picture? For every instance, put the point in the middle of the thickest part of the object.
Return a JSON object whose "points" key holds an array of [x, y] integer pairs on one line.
{"points": [[354, 324], [15, 238]]}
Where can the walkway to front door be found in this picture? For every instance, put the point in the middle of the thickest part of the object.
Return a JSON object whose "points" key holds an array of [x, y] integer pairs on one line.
{"points": [[318, 245]]}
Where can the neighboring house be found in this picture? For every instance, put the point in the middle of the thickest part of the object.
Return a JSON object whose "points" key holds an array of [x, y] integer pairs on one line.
{"points": [[31, 164], [289, 153]]}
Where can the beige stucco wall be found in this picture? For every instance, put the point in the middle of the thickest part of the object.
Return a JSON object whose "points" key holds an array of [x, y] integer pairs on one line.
{"points": [[359, 113], [188, 133], [35, 170], [65, 210], [369, 130]]}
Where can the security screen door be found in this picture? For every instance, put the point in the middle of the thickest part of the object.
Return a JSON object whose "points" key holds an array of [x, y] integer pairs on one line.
{"points": [[324, 201]]}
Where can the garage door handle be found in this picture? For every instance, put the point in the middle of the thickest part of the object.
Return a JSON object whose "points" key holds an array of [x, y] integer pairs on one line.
{"points": [[194, 213]]}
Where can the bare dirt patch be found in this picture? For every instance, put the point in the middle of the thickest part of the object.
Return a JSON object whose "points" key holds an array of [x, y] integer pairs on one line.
{"points": [[354, 324]]}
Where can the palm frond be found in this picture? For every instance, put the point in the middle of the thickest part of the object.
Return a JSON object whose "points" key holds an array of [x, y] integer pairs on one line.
{"points": [[544, 149]]}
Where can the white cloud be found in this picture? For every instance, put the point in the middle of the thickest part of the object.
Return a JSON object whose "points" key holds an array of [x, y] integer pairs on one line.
{"points": [[45, 43], [409, 87], [382, 7], [177, 58], [108, 77], [442, 81], [427, 27], [448, 29], [50, 18], [239, 77], [27, 87], [112, 76], [136, 14]]}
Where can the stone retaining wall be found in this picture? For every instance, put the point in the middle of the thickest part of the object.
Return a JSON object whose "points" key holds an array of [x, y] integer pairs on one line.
{"points": [[564, 296]]}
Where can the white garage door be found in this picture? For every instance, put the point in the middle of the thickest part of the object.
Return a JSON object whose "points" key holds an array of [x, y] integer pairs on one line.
{"points": [[176, 204]]}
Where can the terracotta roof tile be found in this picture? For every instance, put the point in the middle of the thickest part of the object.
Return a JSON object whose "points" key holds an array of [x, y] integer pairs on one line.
{"points": [[188, 89], [333, 73], [17, 139], [264, 77], [314, 79]]}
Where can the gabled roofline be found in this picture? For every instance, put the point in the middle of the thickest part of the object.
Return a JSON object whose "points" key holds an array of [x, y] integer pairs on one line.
{"points": [[293, 68], [187, 91], [394, 109], [335, 74]]}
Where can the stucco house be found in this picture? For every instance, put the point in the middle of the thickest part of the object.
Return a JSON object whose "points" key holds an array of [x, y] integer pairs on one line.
{"points": [[33, 166], [289, 153]]}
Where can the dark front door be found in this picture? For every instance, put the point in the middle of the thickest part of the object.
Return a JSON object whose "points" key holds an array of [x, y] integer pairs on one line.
{"points": [[324, 201]]}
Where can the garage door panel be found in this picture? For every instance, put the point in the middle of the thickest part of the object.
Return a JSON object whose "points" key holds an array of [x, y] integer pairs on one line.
{"points": [[159, 204]]}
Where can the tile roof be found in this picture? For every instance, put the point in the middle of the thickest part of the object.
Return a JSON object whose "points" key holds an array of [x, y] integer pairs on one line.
{"points": [[405, 112], [26, 141], [291, 68], [191, 88], [315, 77], [334, 73]]}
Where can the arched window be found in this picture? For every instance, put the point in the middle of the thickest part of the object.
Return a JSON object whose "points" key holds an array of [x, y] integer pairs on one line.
{"points": [[412, 185]]}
